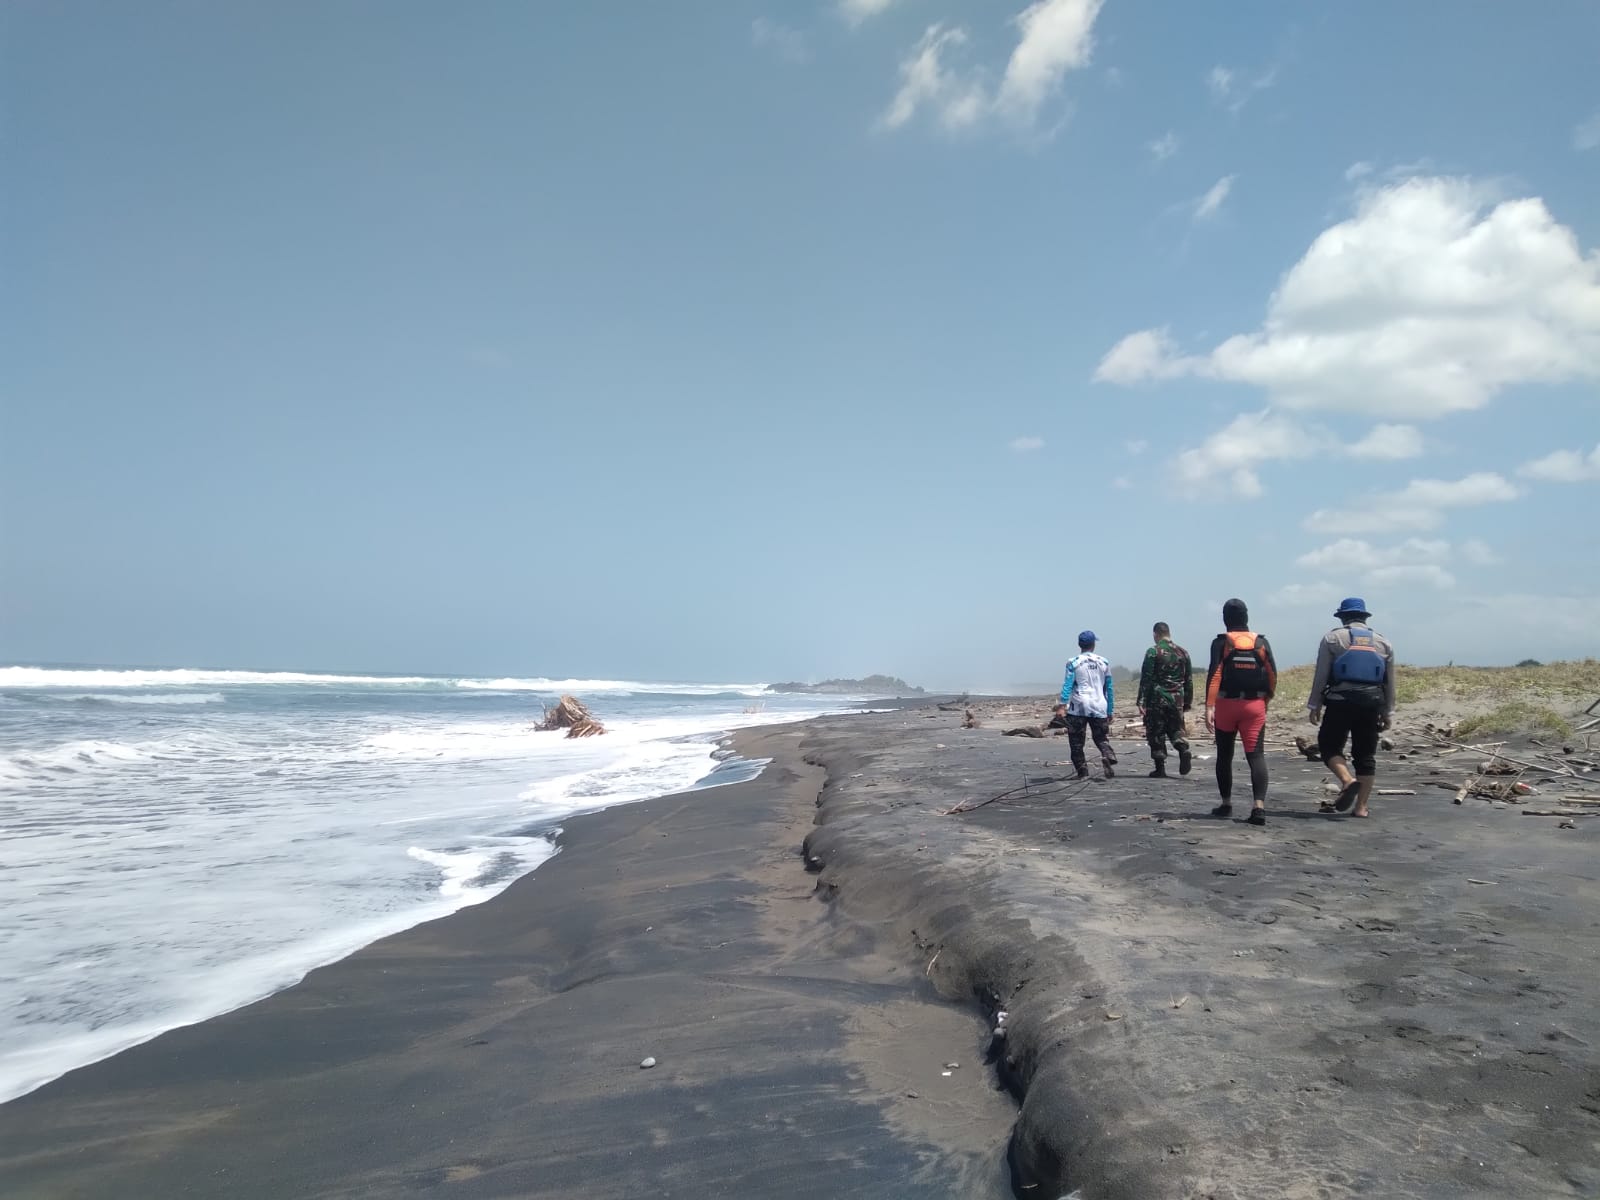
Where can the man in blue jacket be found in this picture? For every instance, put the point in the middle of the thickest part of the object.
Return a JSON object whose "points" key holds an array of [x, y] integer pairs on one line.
{"points": [[1086, 700]]}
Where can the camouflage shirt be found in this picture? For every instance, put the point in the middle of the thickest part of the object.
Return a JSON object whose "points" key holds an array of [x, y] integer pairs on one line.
{"points": [[1167, 678]]}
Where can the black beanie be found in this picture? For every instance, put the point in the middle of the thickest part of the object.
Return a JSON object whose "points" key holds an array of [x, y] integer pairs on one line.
{"points": [[1234, 613]]}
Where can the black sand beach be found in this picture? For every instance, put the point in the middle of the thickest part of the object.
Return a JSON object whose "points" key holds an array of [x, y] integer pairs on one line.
{"points": [[1401, 1007], [496, 1052]]}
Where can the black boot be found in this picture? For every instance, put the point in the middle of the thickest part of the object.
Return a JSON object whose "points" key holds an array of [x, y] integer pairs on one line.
{"points": [[1185, 761], [1161, 770]]}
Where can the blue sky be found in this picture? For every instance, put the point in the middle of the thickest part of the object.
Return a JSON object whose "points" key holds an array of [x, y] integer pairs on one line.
{"points": [[760, 340]]}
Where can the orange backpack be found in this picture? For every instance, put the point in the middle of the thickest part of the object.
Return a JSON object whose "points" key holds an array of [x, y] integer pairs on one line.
{"points": [[1244, 666]]}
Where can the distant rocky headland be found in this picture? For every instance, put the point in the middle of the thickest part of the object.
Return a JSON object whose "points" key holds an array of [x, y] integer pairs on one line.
{"points": [[872, 685]]}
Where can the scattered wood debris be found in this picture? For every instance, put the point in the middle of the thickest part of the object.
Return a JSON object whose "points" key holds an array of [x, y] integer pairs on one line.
{"points": [[570, 714]]}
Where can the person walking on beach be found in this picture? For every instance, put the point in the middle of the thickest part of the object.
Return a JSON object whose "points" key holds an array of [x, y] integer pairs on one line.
{"points": [[1240, 683], [1087, 695], [1352, 697], [1166, 692]]}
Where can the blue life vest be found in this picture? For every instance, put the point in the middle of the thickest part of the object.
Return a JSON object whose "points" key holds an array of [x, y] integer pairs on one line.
{"points": [[1362, 663]]}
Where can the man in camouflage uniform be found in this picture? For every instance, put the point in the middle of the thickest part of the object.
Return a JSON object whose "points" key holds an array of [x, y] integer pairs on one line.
{"points": [[1166, 692]]}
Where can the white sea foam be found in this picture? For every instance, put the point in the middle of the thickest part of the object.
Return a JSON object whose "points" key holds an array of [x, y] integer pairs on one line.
{"points": [[86, 677], [25, 1066], [631, 687], [182, 698], [96, 677], [164, 864], [69, 758]]}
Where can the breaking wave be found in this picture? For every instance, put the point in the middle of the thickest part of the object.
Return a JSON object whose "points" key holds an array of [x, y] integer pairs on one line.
{"points": [[80, 677]]}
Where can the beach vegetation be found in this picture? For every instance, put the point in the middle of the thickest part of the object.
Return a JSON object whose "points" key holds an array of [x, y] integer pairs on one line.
{"points": [[1515, 716], [1557, 683]]}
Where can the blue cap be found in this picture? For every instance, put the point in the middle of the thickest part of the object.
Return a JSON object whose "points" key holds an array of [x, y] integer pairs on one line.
{"points": [[1352, 606], [1087, 638]]}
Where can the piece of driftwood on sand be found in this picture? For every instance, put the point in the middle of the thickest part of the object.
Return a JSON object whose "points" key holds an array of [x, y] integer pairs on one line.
{"points": [[569, 713]]}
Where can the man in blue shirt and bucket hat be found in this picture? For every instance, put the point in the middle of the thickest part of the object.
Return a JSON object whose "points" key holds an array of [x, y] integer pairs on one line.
{"points": [[1352, 698]]}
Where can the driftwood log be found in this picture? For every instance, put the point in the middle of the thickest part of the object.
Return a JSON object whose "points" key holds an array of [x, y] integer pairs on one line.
{"points": [[570, 714]]}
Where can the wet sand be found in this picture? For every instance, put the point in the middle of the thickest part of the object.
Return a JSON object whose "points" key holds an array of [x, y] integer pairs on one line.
{"points": [[496, 1053]]}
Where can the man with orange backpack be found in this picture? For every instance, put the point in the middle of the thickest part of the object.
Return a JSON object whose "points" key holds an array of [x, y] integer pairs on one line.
{"points": [[1241, 681], [1352, 696]]}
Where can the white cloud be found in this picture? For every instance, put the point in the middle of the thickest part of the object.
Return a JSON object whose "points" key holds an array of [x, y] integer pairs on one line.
{"points": [[1023, 445], [1413, 561], [1232, 91], [1587, 135], [1388, 442], [1148, 354], [1420, 505], [1414, 574], [1122, 483], [857, 11], [787, 43], [1207, 205], [925, 82], [1572, 616], [1164, 147], [1056, 36], [1254, 439], [1357, 170], [1136, 446], [1299, 595], [1427, 301], [1354, 555], [1233, 453], [1564, 466]]}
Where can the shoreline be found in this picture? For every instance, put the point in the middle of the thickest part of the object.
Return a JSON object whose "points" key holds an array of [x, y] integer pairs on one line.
{"points": [[1196, 1008], [498, 1049], [243, 982]]}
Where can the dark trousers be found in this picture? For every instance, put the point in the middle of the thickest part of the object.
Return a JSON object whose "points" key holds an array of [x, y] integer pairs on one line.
{"points": [[1101, 728], [1358, 723], [1162, 721]]}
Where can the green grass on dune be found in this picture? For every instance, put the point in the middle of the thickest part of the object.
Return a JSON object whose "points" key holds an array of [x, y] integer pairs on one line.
{"points": [[1558, 681], [1516, 716]]}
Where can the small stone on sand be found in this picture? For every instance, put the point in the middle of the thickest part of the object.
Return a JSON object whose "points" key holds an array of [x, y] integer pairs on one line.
{"points": [[647, 1064]]}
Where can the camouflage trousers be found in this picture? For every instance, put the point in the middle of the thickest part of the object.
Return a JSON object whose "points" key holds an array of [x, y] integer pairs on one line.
{"points": [[1162, 721], [1077, 730]]}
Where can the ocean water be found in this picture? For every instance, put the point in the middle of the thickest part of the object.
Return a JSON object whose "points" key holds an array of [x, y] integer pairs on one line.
{"points": [[177, 843]]}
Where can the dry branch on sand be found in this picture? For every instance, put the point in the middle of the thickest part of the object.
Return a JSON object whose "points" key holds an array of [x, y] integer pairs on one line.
{"points": [[570, 714]]}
